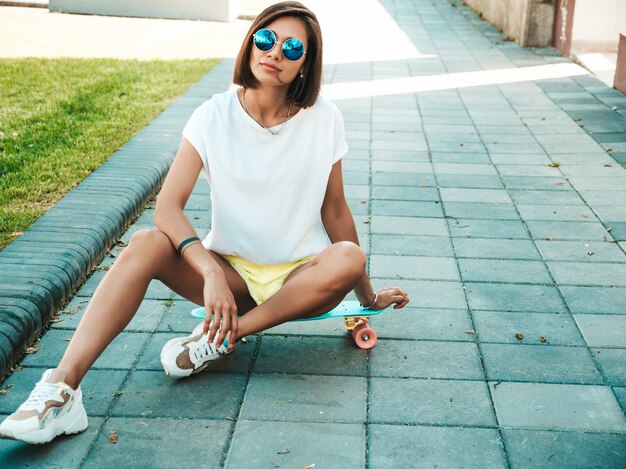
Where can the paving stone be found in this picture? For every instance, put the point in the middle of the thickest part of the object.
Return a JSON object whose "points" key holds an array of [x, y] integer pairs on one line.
{"points": [[401, 179], [541, 449], [145, 320], [150, 443], [427, 359], [587, 274], [235, 362], [264, 444], [539, 363], [423, 324], [402, 446], [600, 300], [511, 271], [539, 197], [305, 398], [409, 226], [483, 211], [602, 330], [466, 169], [416, 267], [514, 297], [98, 386], [402, 166], [465, 181], [153, 394], [495, 196], [612, 364], [407, 208], [311, 355], [574, 213], [501, 327], [430, 294], [120, 354], [535, 183], [583, 251], [404, 193], [441, 402], [495, 248], [406, 245], [177, 316], [557, 407], [620, 393], [65, 451], [472, 228]]}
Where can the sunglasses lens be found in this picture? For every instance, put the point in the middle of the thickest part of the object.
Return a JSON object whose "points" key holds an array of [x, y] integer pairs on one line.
{"points": [[264, 39], [293, 49]]}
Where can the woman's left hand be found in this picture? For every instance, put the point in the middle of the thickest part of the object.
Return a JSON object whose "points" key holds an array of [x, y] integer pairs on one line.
{"points": [[388, 296]]}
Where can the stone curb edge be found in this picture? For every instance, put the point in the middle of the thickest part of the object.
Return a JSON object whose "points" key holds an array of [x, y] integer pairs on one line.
{"points": [[43, 268]]}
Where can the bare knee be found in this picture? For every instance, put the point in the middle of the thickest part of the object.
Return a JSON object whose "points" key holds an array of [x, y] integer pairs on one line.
{"points": [[349, 261], [147, 244]]}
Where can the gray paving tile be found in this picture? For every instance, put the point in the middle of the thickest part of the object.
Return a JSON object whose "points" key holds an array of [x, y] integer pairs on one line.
{"points": [[151, 443], [427, 359], [430, 294], [311, 355], [464, 227], [582, 251], [152, 394], [120, 354], [305, 398], [557, 407], [407, 208], [465, 169], [510, 271], [602, 300], [574, 213], [441, 402], [473, 181], [514, 297], [145, 320], [539, 197], [501, 327], [602, 330], [409, 226], [296, 444], [588, 274], [484, 211], [620, 393], [424, 324], [402, 446], [411, 245], [98, 386], [539, 363], [495, 248], [612, 363], [540, 449], [414, 267], [401, 179], [535, 183], [65, 451], [496, 196]]}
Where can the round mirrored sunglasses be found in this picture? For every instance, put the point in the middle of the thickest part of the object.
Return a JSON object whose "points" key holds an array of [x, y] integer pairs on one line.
{"points": [[265, 40]]}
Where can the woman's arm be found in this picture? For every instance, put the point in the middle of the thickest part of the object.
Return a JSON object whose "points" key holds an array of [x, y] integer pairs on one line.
{"points": [[170, 219], [339, 225]]}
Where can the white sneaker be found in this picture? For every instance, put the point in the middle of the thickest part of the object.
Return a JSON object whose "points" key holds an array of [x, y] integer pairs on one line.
{"points": [[50, 410], [185, 356]]}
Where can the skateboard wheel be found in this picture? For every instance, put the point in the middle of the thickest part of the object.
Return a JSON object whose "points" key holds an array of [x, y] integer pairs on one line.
{"points": [[364, 336]]}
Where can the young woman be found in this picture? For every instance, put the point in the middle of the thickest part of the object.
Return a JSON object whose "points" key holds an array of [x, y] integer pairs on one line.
{"points": [[282, 245]]}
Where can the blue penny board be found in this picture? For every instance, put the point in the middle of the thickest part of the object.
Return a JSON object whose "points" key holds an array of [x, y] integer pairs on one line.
{"points": [[345, 308]]}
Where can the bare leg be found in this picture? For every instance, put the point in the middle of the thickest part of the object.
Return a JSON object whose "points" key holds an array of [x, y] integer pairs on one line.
{"points": [[310, 290], [149, 255]]}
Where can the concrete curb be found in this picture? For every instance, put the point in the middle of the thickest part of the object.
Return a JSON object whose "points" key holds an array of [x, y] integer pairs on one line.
{"points": [[43, 268]]}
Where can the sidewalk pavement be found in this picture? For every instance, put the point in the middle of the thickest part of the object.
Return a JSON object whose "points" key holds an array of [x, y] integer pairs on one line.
{"points": [[500, 207]]}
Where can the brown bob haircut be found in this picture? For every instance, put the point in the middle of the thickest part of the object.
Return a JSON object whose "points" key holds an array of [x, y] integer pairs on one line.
{"points": [[302, 91]]}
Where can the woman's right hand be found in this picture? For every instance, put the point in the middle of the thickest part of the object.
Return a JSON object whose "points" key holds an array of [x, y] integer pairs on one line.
{"points": [[219, 302]]}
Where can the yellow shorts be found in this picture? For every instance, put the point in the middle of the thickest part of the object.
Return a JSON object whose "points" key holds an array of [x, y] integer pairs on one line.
{"points": [[263, 280]]}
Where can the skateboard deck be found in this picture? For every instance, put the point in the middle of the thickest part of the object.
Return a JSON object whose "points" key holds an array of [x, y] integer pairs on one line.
{"points": [[355, 319]]}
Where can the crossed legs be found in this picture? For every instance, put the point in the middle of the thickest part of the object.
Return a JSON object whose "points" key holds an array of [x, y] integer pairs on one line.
{"points": [[310, 290]]}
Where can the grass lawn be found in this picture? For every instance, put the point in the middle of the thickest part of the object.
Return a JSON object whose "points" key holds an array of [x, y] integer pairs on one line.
{"points": [[60, 119]]}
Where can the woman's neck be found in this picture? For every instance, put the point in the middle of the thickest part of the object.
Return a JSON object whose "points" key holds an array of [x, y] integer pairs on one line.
{"points": [[267, 104]]}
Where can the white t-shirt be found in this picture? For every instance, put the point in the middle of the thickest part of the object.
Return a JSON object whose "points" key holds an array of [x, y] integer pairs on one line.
{"points": [[266, 190]]}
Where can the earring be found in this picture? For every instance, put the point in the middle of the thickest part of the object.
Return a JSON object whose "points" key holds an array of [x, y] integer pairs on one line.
{"points": [[301, 74]]}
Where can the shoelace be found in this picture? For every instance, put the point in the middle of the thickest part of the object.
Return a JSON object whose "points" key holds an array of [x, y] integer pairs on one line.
{"points": [[203, 349], [43, 392]]}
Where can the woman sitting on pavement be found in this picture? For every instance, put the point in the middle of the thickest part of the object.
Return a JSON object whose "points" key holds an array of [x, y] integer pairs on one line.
{"points": [[283, 243]]}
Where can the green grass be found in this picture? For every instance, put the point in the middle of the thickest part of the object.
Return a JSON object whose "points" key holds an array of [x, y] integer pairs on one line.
{"points": [[60, 119]]}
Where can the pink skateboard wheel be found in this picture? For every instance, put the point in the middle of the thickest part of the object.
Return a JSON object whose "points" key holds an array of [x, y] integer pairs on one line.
{"points": [[364, 336]]}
